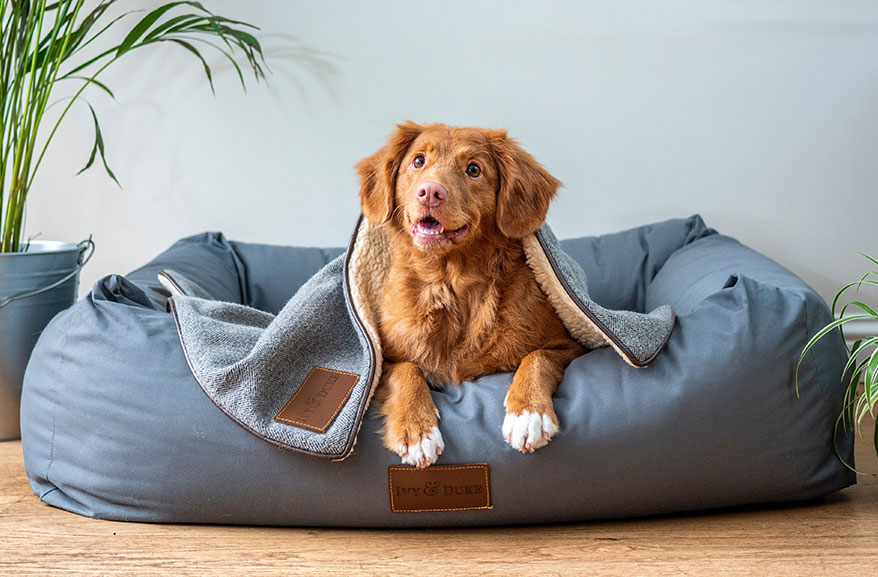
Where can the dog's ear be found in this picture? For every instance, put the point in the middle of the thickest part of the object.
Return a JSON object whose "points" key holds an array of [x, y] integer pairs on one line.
{"points": [[378, 173], [526, 188]]}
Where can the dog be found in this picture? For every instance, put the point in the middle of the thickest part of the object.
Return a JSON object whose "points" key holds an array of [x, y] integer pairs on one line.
{"points": [[460, 300]]}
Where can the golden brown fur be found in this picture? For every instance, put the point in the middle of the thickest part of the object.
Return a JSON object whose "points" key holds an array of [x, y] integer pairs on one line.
{"points": [[461, 308]]}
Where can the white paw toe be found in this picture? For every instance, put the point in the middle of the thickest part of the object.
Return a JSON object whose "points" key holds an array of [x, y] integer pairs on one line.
{"points": [[528, 431], [425, 452]]}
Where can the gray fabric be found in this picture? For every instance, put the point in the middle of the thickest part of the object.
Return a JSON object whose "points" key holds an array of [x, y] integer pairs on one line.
{"points": [[640, 337], [622, 265], [114, 425], [250, 363], [176, 283], [206, 257], [273, 273]]}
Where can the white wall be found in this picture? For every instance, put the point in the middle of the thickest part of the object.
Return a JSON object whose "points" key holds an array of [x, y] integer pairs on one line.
{"points": [[762, 116]]}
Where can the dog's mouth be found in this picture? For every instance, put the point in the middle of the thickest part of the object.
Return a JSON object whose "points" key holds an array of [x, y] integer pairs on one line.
{"points": [[430, 233]]}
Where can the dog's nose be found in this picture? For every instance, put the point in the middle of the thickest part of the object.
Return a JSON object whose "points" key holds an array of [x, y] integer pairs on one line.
{"points": [[431, 194]]}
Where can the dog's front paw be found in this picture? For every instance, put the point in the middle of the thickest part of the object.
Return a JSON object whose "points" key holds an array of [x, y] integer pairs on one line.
{"points": [[421, 450], [528, 431]]}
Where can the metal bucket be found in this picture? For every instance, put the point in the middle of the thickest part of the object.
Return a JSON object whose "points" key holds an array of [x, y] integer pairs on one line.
{"points": [[34, 286]]}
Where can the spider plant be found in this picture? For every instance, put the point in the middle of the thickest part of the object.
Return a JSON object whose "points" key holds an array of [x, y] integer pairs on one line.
{"points": [[862, 365], [44, 44]]}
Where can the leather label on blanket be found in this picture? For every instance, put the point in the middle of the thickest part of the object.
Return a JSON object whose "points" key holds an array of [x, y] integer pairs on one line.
{"points": [[439, 488], [318, 400]]}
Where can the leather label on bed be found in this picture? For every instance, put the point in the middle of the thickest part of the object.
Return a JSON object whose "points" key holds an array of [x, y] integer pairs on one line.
{"points": [[439, 488], [318, 400]]}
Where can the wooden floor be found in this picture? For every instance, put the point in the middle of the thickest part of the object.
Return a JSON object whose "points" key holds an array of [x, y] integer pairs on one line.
{"points": [[836, 535]]}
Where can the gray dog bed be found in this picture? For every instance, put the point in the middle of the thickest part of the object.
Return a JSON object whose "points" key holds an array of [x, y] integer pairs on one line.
{"points": [[115, 426]]}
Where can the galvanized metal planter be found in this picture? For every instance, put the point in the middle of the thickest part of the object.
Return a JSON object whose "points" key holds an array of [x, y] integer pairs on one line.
{"points": [[34, 286]]}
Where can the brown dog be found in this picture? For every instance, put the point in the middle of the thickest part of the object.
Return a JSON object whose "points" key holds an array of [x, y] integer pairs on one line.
{"points": [[460, 299]]}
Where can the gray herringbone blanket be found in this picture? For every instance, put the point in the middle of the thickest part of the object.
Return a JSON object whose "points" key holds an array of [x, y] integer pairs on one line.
{"points": [[303, 379]]}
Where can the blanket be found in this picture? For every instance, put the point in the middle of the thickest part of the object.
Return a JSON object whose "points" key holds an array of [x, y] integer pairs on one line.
{"points": [[302, 379]]}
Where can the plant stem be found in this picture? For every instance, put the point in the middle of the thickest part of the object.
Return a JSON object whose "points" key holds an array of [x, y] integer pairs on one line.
{"points": [[31, 63], [20, 165], [4, 59], [37, 96], [10, 239], [45, 98], [63, 114]]}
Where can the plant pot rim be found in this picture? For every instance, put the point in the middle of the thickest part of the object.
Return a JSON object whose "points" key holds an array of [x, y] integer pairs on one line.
{"points": [[36, 247]]}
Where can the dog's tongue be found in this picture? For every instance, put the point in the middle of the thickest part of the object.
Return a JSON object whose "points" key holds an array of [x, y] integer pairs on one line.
{"points": [[429, 225]]}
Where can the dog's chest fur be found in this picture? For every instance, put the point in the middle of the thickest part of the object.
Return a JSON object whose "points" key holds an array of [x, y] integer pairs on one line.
{"points": [[468, 319]]}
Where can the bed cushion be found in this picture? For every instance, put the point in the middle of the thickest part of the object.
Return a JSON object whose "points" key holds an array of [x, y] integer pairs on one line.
{"points": [[114, 426]]}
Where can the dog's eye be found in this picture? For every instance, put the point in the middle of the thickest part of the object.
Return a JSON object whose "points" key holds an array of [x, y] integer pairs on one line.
{"points": [[419, 161], [473, 170]]}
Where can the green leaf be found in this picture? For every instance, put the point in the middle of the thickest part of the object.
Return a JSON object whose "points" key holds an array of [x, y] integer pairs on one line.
{"points": [[48, 48], [235, 65], [839, 294], [200, 7], [874, 261], [40, 40], [871, 380], [864, 307], [228, 56], [840, 425], [862, 411], [850, 400], [95, 16], [96, 82], [198, 55], [852, 358], [170, 26], [98, 148], [86, 25], [247, 38], [212, 27], [820, 334], [142, 26], [829, 328], [225, 20]]}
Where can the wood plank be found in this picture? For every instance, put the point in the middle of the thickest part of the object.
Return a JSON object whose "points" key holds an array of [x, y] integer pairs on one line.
{"points": [[834, 535]]}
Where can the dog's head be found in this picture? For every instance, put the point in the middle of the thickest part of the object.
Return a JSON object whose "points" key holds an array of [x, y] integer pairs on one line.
{"points": [[447, 187]]}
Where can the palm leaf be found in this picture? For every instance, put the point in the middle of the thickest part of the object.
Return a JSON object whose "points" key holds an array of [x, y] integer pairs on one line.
{"points": [[229, 57], [98, 148], [94, 81], [142, 26], [95, 15], [198, 55], [170, 26]]}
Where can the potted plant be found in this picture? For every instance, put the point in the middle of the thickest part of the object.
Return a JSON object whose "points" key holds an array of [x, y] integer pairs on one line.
{"points": [[44, 45], [862, 365]]}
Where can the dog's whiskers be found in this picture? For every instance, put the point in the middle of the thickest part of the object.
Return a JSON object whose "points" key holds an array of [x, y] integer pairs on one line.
{"points": [[395, 210]]}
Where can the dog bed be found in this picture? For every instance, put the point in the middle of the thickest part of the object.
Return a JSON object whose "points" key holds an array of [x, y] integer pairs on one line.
{"points": [[115, 426]]}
